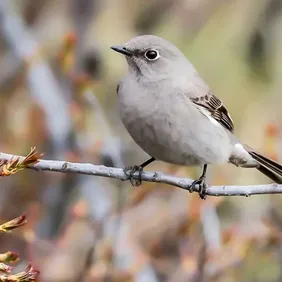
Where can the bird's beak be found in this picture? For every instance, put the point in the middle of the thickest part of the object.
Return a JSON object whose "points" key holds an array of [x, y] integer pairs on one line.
{"points": [[122, 50]]}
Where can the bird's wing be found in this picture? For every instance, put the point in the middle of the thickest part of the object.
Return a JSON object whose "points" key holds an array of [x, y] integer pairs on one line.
{"points": [[216, 109]]}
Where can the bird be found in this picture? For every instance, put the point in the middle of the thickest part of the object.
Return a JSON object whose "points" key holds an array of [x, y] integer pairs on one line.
{"points": [[174, 116]]}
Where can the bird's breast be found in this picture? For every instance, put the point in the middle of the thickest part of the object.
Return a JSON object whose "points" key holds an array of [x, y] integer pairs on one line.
{"points": [[169, 128]]}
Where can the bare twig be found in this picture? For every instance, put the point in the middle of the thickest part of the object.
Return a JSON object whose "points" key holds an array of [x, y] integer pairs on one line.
{"points": [[118, 173]]}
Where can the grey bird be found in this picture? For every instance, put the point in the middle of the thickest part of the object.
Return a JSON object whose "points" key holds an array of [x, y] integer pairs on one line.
{"points": [[173, 115]]}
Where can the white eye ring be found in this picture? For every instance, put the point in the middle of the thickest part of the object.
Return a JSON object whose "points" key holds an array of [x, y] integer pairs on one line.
{"points": [[152, 54]]}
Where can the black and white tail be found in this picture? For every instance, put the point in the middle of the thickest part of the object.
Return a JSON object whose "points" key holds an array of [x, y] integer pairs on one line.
{"points": [[268, 167]]}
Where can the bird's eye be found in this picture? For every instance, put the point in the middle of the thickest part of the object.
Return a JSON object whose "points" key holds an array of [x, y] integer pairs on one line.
{"points": [[152, 55]]}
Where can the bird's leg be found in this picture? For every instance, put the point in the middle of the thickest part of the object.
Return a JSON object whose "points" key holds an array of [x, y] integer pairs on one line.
{"points": [[201, 181], [129, 171]]}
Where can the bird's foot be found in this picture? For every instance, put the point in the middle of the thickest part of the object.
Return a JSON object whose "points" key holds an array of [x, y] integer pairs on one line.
{"points": [[201, 182], [129, 171]]}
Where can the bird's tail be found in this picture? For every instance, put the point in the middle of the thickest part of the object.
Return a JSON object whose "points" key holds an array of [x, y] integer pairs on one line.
{"points": [[268, 167]]}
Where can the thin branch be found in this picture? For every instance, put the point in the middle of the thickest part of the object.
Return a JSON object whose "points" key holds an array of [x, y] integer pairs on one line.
{"points": [[118, 173]]}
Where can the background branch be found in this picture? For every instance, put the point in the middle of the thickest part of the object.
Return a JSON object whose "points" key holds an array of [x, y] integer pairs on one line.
{"points": [[118, 173]]}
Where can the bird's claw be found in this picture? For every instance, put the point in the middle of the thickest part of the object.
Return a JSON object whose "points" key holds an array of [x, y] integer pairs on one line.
{"points": [[129, 171], [201, 182]]}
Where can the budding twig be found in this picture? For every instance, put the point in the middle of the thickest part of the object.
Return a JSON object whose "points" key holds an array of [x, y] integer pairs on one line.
{"points": [[158, 177]]}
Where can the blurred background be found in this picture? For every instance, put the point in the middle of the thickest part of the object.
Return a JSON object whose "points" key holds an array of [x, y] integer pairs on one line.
{"points": [[58, 81]]}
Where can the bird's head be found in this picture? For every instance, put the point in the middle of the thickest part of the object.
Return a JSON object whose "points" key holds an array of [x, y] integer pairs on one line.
{"points": [[151, 56]]}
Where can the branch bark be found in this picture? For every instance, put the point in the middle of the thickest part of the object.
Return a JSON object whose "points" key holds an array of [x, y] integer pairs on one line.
{"points": [[158, 177]]}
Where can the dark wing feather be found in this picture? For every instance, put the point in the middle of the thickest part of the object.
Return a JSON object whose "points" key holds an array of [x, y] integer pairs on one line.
{"points": [[216, 108]]}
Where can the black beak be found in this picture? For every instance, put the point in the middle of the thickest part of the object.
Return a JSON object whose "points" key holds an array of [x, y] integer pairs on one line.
{"points": [[122, 50]]}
